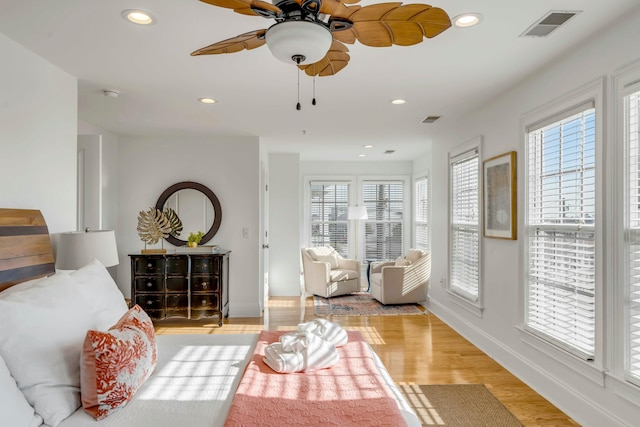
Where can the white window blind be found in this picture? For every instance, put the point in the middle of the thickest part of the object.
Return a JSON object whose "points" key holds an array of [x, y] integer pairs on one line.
{"points": [[464, 252], [560, 230], [329, 208], [422, 213], [384, 227], [632, 234]]}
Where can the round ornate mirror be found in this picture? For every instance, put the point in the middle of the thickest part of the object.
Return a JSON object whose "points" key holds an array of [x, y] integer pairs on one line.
{"points": [[197, 207]]}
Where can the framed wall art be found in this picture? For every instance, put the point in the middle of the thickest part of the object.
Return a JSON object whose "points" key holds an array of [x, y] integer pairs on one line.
{"points": [[499, 193]]}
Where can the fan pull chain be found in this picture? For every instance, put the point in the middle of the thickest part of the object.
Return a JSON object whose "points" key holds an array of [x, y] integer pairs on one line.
{"points": [[313, 102], [298, 106]]}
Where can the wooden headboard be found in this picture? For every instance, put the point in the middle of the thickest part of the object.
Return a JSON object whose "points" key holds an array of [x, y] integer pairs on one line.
{"points": [[25, 247]]}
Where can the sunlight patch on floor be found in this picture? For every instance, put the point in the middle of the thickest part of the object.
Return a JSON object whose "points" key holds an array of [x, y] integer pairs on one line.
{"points": [[284, 303], [424, 409], [370, 333]]}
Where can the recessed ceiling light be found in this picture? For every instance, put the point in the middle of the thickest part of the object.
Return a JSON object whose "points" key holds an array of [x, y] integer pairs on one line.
{"points": [[398, 101], [467, 20], [362, 155], [207, 100], [139, 17], [367, 146]]}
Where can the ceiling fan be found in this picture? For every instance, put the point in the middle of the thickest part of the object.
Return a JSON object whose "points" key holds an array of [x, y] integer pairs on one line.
{"points": [[313, 33]]}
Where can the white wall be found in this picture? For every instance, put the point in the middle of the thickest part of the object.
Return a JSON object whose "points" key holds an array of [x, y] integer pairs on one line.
{"points": [[356, 168], [229, 167], [38, 116], [284, 218], [589, 403]]}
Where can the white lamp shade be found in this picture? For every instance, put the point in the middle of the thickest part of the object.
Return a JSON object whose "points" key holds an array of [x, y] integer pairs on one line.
{"points": [[76, 249], [358, 212], [289, 38]]}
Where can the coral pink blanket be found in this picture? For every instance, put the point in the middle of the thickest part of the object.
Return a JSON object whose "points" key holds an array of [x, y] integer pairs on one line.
{"points": [[352, 392]]}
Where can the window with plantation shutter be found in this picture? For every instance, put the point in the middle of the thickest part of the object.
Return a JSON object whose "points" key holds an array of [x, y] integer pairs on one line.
{"points": [[422, 213], [560, 230], [464, 223], [632, 233], [384, 227], [329, 208]]}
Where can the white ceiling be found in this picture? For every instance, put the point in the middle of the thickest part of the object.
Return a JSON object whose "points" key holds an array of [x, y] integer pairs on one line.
{"points": [[160, 83]]}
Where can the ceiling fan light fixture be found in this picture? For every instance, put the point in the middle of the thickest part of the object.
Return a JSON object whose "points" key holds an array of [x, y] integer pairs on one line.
{"points": [[467, 20], [139, 17], [304, 40]]}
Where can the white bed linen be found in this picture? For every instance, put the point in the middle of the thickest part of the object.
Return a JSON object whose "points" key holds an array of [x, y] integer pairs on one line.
{"points": [[194, 383]]}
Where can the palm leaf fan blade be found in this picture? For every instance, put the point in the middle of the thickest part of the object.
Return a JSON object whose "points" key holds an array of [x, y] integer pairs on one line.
{"points": [[335, 60], [386, 24], [244, 7], [248, 41]]}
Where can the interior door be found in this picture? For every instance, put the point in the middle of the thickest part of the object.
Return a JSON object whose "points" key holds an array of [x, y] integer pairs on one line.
{"points": [[265, 238]]}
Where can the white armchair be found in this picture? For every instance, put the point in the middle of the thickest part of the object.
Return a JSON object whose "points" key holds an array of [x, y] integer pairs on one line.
{"points": [[327, 274], [403, 281]]}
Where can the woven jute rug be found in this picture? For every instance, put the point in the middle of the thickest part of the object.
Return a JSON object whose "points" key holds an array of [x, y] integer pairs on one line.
{"points": [[468, 405], [361, 304]]}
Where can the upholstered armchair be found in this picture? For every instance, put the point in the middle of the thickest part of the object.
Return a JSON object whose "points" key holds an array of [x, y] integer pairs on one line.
{"points": [[403, 281], [327, 274]]}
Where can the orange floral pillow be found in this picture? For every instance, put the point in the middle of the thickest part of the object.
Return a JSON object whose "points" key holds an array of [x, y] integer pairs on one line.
{"points": [[116, 363]]}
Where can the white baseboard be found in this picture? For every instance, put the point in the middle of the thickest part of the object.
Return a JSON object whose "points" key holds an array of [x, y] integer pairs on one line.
{"points": [[579, 407], [245, 310]]}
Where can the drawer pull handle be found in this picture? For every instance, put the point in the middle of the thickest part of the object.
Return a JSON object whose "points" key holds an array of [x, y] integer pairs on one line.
{"points": [[149, 302], [204, 302], [149, 265], [149, 284], [204, 285]]}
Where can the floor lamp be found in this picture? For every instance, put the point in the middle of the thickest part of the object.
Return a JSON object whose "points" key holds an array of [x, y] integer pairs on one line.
{"points": [[357, 213]]}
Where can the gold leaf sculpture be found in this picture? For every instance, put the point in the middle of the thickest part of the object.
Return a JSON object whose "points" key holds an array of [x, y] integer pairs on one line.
{"points": [[153, 225], [174, 221]]}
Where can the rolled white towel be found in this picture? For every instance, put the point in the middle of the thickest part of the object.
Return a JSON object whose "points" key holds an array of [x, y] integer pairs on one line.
{"points": [[282, 361], [330, 331], [303, 351]]}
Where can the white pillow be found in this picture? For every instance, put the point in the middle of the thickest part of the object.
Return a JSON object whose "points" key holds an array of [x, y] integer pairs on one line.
{"points": [[402, 262], [414, 254], [21, 287], [101, 293], [324, 254], [43, 328], [14, 408]]}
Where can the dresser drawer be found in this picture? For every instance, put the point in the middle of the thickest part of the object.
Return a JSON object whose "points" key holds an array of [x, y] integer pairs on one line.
{"points": [[148, 265], [150, 301], [149, 284], [204, 284], [177, 284], [204, 301], [177, 265], [204, 265], [177, 305]]}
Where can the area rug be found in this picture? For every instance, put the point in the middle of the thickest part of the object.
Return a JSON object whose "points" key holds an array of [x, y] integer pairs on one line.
{"points": [[468, 405], [361, 304]]}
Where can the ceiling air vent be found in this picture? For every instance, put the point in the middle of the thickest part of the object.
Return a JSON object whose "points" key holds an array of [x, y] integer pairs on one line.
{"points": [[430, 119], [549, 22], [389, 151]]}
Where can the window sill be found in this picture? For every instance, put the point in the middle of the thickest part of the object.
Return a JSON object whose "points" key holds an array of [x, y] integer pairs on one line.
{"points": [[466, 304], [585, 368], [625, 390]]}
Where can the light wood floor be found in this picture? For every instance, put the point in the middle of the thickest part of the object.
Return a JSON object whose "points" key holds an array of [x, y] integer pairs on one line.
{"points": [[415, 349]]}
